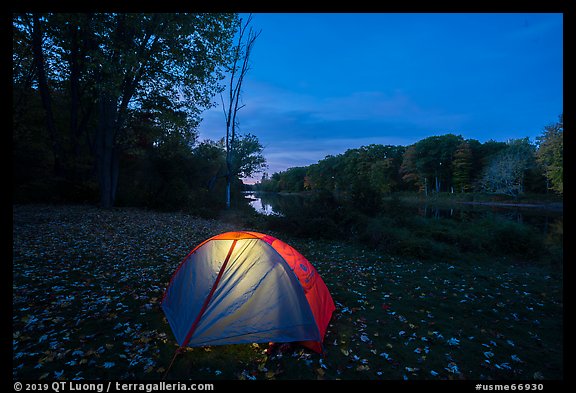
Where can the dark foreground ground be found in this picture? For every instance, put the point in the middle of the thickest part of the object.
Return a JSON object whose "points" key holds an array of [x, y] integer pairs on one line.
{"points": [[87, 285]]}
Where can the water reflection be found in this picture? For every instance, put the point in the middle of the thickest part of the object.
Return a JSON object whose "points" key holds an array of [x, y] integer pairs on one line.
{"points": [[539, 218], [261, 204], [516, 230], [542, 219]]}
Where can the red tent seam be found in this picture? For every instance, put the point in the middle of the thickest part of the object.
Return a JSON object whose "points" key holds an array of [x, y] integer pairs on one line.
{"points": [[209, 297]]}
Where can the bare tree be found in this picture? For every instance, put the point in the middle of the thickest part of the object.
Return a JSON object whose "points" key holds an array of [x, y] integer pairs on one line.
{"points": [[506, 172], [239, 69]]}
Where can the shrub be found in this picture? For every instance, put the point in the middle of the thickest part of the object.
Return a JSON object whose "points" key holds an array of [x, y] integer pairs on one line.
{"points": [[426, 249], [498, 236], [383, 233]]}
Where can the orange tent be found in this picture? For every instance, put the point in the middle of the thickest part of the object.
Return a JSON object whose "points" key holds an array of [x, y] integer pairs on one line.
{"points": [[246, 287]]}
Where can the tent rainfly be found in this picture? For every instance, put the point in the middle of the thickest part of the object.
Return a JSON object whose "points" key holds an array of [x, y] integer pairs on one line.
{"points": [[247, 287]]}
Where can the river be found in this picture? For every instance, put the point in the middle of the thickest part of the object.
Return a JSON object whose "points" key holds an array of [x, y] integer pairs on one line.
{"points": [[538, 216]]}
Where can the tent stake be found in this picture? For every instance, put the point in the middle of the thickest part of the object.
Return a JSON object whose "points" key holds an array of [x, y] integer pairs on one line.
{"points": [[178, 350]]}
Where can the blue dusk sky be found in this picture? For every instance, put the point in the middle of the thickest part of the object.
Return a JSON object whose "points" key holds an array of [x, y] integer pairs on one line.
{"points": [[320, 84]]}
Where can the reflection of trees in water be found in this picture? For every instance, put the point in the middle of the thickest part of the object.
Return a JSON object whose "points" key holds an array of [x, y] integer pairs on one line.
{"points": [[281, 204], [547, 222], [538, 218], [265, 206], [274, 204]]}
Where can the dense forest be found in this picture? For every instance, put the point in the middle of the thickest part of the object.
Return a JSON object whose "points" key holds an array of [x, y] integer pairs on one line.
{"points": [[437, 164], [106, 109]]}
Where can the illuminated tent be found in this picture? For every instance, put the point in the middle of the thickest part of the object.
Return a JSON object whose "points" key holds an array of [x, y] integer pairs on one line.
{"points": [[247, 287]]}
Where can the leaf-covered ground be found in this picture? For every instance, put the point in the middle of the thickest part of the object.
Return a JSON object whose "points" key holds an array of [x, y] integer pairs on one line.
{"points": [[87, 284]]}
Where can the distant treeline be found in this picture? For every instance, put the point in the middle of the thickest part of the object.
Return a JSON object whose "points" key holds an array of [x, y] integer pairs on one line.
{"points": [[446, 163]]}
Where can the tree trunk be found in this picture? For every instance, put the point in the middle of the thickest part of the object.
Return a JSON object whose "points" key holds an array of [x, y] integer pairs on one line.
{"points": [[228, 192], [74, 101], [106, 155], [228, 179], [45, 95]]}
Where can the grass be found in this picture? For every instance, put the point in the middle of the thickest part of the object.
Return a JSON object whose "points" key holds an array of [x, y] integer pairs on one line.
{"points": [[87, 285]]}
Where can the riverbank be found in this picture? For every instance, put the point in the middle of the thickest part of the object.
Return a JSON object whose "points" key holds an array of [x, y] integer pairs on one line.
{"points": [[87, 284], [409, 225], [556, 206], [537, 201]]}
